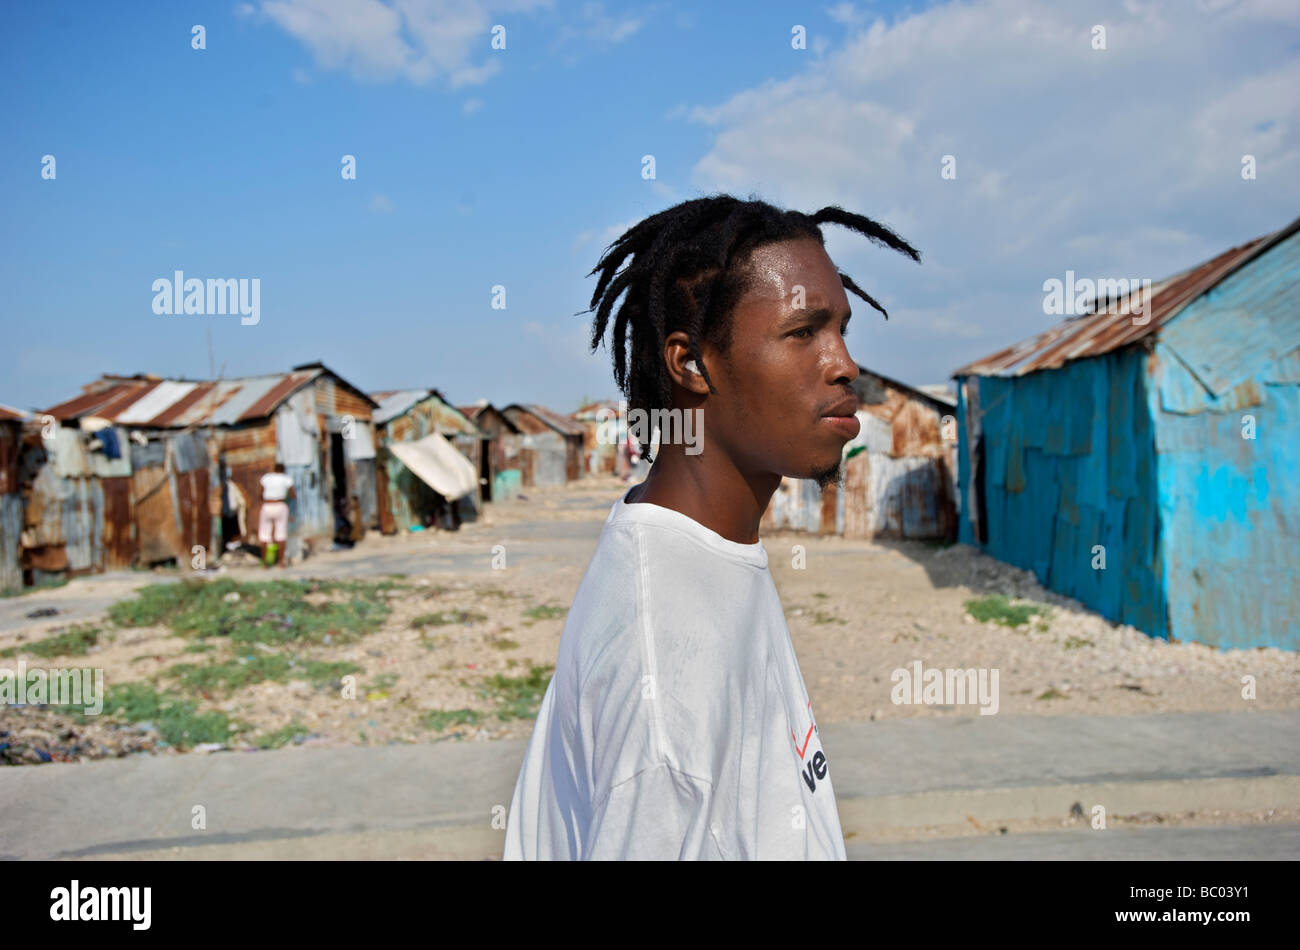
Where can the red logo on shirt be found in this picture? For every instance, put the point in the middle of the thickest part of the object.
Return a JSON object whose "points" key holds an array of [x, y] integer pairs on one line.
{"points": [[807, 737], [816, 769]]}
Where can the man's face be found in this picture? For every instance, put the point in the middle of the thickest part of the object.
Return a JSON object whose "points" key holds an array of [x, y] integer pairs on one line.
{"points": [[784, 405]]}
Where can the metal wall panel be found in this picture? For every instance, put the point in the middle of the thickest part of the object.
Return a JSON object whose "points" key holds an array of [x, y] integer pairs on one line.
{"points": [[1071, 464]]}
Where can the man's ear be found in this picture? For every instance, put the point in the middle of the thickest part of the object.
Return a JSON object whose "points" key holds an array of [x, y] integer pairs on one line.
{"points": [[682, 369]]}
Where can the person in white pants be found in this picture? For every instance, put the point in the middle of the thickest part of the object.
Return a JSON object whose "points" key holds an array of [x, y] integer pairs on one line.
{"points": [[273, 520]]}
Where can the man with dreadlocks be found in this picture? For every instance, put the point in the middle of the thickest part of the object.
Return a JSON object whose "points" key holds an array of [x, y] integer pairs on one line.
{"points": [[677, 724]]}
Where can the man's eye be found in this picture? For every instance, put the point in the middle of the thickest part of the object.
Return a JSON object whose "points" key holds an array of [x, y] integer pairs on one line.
{"points": [[803, 330]]}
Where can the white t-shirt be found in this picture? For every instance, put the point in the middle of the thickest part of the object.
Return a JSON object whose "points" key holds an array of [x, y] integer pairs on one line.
{"points": [[677, 724], [275, 486]]}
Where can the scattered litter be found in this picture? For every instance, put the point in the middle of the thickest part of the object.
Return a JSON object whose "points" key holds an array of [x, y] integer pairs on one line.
{"points": [[42, 612], [35, 735]]}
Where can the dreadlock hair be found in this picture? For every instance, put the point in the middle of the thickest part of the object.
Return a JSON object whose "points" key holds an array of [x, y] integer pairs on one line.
{"points": [[687, 274]]}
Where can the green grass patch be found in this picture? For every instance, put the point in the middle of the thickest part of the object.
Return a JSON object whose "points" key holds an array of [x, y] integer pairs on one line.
{"points": [[282, 736], [232, 674], [44, 585], [496, 593], [320, 673], [433, 642], [444, 617], [264, 611], [517, 697], [73, 641], [545, 612], [177, 719], [1051, 693], [823, 617], [999, 609], [1074, 643], [228, 676], [439, 719], [504, 643]]}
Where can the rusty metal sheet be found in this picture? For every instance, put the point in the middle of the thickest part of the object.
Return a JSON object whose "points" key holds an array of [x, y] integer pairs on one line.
{"points": [[51, 558], [491, 422], [193, 512], [561, 424], [89, 403], [384, 501], [11, 526], [253, 445], [279, 392], [525, 421], [11, 445], [43, 515], [858, 510], [180, 407], [828, 523], [119, 536], [915, 430], [335, 396], [157, 533]]}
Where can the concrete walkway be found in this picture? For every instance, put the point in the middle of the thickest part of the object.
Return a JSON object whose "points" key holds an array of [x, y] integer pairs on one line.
{"points": [[449, 799]]}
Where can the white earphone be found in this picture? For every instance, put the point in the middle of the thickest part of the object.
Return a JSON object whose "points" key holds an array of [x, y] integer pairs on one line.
{"points": [[690, 366]]}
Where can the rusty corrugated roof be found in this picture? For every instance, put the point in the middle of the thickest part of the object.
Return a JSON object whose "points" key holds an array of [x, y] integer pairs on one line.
{"points": [[394, 402], [154, 403], [1095, 334], [559, 423]]}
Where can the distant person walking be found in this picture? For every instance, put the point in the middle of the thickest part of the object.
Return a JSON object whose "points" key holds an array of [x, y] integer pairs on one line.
{"points": [[273, 521]]}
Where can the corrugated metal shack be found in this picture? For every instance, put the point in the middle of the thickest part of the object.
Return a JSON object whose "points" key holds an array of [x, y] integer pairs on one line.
{"points": [[899, 474], [551, 447], [1171, 446], [177, 440], [11, 499], [600, 457], [408, 415], [506, 443], [75, 481]]}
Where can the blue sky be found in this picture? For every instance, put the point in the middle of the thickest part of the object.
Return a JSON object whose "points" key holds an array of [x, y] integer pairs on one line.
{"points": [[479, 167]]}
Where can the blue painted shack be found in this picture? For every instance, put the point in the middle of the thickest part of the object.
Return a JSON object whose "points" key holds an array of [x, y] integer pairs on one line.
{"points": [[1146, 465]]}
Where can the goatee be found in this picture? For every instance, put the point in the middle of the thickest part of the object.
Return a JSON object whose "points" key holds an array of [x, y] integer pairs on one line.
{"points": [[826, 477]]}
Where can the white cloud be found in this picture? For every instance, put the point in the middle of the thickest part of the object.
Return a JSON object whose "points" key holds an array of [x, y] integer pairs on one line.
{"points": [[606, 237], [471, 106], [382, 40], [847, 14], [1127, 158], [597, 28], [380, 204]]}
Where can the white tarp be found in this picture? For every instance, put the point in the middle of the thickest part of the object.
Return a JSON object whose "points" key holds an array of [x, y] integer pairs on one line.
{"points": [[296, 435], [437, 463]]}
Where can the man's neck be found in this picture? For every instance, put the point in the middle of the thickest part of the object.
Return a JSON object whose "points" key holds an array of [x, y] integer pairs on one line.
{"points": [[714, 493]]}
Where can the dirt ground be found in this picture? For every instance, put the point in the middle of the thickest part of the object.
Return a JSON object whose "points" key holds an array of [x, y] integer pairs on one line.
{"points": [[857, 611]]}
